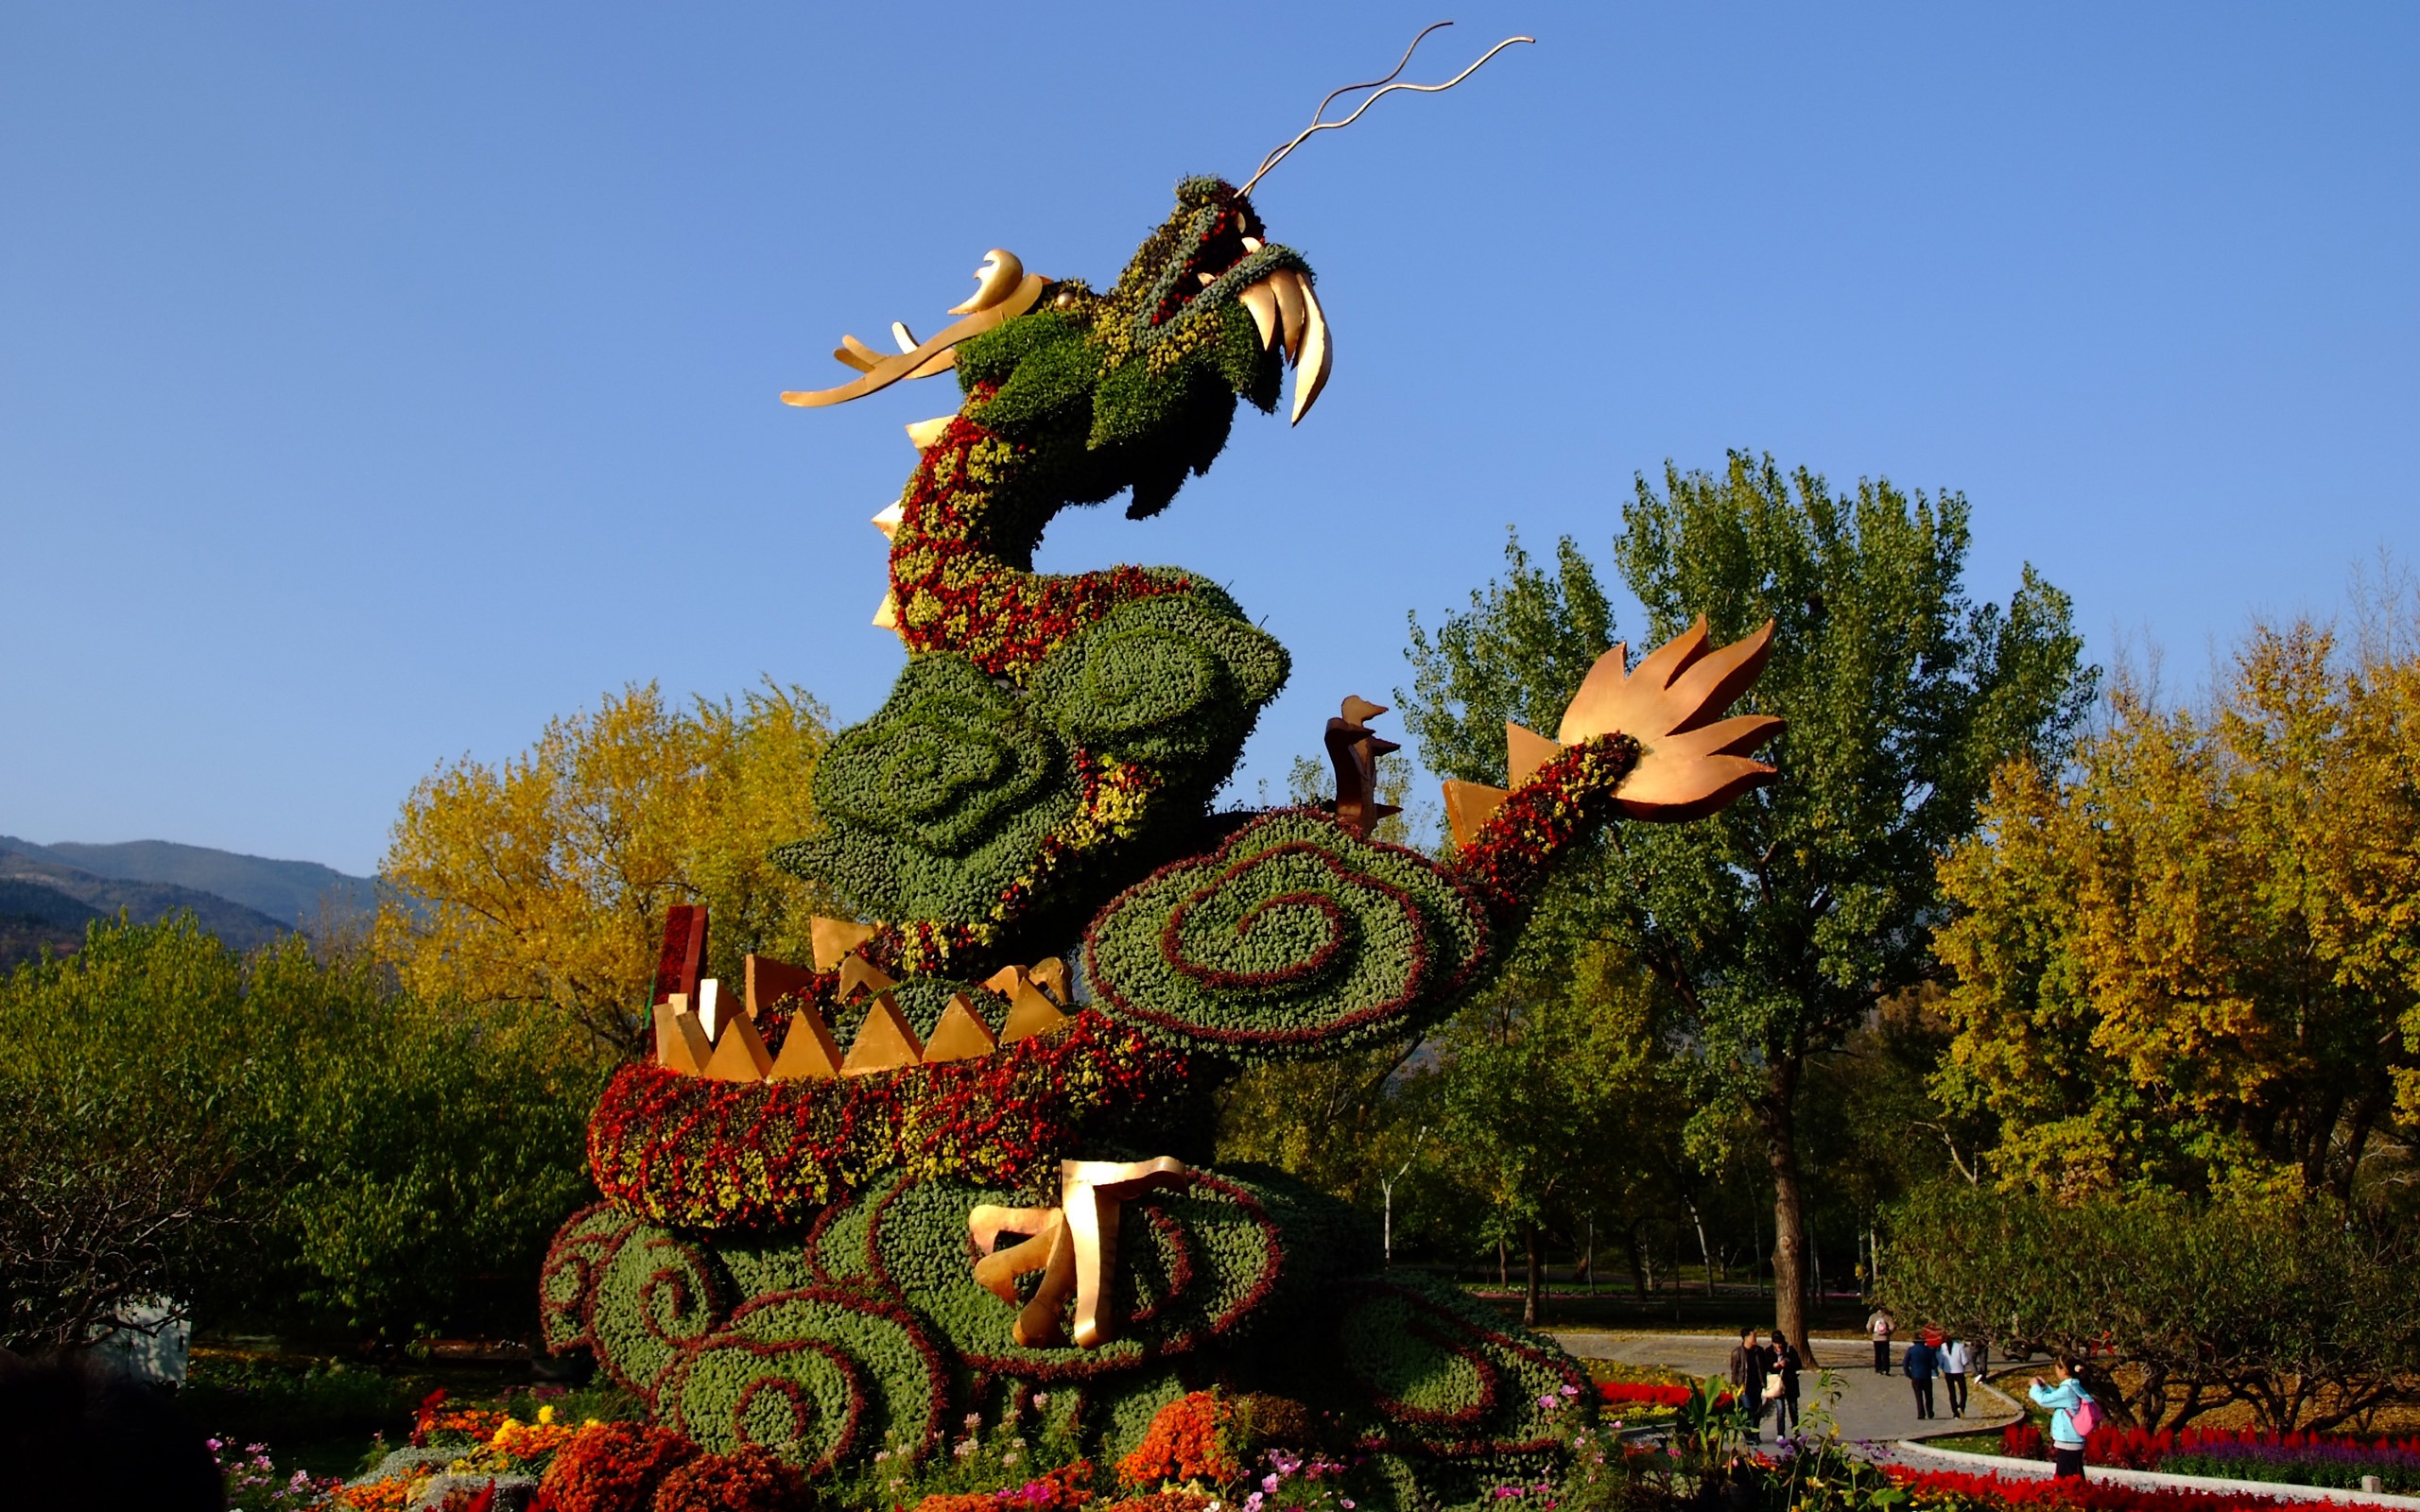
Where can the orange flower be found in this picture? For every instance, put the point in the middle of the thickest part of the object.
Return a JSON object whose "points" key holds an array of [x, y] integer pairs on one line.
{"points": [[1183, 1443]]}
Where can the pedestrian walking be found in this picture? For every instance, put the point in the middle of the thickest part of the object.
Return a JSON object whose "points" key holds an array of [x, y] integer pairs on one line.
{"points": [[2073, 1417], [1782, 1387], [1750, 1363], [1921, 1366], [1881, 1325], [1952, 1357]]}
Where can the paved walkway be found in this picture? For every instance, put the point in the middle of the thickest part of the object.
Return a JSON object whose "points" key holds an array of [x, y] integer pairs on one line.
{"points": [[1872, 1408]]}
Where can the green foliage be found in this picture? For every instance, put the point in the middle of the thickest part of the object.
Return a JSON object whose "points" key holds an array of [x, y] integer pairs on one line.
{"points": [[1297, 937], [938, 802], [2288, 1303], [300, 1401], [1175, 680], [1518, 655], [810, 1376], [391, 1164], [1778, 924]]}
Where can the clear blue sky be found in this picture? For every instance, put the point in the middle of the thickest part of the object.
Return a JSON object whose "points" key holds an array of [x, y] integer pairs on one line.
{"points": [[378, 381]]}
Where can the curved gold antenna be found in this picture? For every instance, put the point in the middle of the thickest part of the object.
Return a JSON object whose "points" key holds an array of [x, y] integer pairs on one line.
{"points": [[1384, 86]]}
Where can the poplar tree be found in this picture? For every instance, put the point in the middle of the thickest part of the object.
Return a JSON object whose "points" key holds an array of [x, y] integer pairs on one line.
{"points": [[1778, 925]]}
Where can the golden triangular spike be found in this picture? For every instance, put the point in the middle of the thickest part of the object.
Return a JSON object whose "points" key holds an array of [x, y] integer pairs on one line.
{"points": [[1004, 980], [959, 1036], [926, 432], [1029, 1014], [1051, 976], [858, 973], [1469, 806], [810, 1054], [1525, 751], [742, 1055], [681, 1042], [886, 1041], [770, 980], [886, 614], [888, 521], [836, 937]]}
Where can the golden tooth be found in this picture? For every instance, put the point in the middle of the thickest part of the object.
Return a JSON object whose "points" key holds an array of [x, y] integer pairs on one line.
{"points": [[1262, 301], [1291, 317], [1319, 354]]}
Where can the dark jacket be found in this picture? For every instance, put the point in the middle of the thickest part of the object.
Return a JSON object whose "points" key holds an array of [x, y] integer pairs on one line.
{"points": [[1920, 1364], [1748, 1367], [1785, 1361]]}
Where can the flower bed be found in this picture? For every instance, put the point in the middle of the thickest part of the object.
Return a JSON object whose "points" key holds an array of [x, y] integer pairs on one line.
{"points": [[1954, 1491], [2336, 1460]]}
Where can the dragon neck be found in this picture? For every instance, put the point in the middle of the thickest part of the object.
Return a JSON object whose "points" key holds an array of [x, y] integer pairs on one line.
{"points": [[962, 558]]}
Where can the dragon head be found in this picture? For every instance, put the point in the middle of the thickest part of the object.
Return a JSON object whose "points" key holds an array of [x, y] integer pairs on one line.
{"points": [[1208, 263], [1134, 388]]}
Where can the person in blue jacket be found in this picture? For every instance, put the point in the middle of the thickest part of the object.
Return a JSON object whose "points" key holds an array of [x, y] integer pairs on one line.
{"points": [[2066, 1445], [1921, 1366]]}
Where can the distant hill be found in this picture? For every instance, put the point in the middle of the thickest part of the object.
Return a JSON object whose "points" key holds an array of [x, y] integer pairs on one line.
{"points": [[28, 872], [33, 916], [293, 893]]}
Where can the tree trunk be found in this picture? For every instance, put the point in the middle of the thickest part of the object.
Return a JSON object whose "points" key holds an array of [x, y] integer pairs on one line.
{"points": [[1503, 1266], [1706, 1256], [1779, 1115], [1534, 1242], [1637, 1265]]}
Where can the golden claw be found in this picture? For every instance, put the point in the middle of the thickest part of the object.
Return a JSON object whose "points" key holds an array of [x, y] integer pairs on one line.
{"points": [[1073, 1245], [1692, 762]]}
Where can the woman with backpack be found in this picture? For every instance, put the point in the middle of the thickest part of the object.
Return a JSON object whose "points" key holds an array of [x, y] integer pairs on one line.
{"points": [[2073, 1417]]}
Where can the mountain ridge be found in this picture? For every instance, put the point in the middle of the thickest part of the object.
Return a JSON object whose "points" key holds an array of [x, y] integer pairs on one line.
{"points": [[293, 894]]}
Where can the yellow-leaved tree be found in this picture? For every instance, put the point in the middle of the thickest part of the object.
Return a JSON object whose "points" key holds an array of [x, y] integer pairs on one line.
{"points": [[545, 880], [2193, 962]]}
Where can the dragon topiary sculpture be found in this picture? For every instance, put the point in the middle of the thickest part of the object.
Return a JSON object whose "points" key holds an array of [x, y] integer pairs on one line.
{"points": [[999, 1188]]}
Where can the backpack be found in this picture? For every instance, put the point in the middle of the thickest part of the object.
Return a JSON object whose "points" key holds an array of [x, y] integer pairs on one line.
{"points": [[2086, 1420]]}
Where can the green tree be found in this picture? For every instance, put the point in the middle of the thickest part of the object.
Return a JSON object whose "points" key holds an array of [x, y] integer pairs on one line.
{"points": [[301, 1141], [1780, 924], [1549, 1104], [2283, 1301]]}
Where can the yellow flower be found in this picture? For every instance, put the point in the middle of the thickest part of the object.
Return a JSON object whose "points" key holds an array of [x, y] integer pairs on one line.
{"points": [[546, 1413]]}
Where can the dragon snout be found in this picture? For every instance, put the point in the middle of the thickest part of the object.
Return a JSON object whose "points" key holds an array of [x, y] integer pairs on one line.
{"points": [[1285, 310]]}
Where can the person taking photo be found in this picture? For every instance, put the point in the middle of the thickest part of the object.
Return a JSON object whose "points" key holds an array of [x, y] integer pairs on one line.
{"points": [[2073, 1416]]}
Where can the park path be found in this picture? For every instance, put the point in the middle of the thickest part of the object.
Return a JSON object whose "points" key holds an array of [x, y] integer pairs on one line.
{"points": [[1872, 1409]]}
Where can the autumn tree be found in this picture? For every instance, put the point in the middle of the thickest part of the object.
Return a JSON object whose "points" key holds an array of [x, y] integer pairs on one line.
{"points": [[544, 881], [1779, 924], [2189, 962]]}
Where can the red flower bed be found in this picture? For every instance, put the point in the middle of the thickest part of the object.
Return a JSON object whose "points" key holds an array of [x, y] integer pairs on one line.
{"points": [[697, 1153], [2092, 1496], [1654, 1394], [2138, 1450]]}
